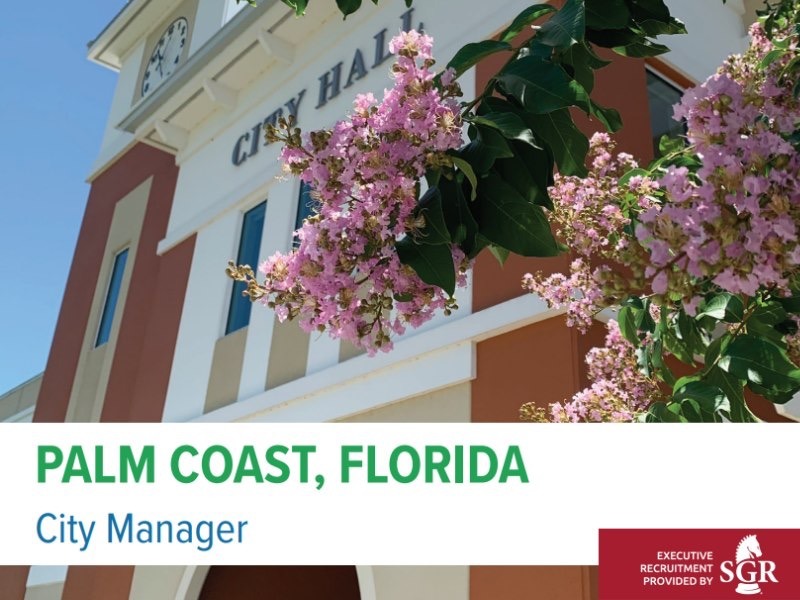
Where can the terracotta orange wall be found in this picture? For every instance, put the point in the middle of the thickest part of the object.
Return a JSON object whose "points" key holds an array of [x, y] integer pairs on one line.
{"points": [[531, 364], [12, 582], [533, 583], [148, 327], [98, 583]]}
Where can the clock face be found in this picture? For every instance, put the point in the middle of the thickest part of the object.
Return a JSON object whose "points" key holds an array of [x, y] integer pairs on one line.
{"points": [[166, 55]]}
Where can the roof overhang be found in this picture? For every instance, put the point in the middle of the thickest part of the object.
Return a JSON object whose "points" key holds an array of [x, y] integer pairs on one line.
{"points": [[125, 30], [254, 41]]}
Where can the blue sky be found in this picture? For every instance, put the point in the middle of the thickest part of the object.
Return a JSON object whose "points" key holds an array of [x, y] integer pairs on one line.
{"points": [[53, 110]]}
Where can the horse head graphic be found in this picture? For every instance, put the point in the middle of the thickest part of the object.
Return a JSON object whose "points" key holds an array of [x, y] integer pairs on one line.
{"points": [[748, 549]]}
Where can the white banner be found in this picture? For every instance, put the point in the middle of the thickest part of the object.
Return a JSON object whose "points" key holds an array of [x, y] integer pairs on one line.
{"points": [[391, 494]]}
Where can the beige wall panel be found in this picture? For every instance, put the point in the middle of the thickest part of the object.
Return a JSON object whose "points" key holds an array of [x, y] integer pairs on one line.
{"points": [[9, 404], [19, 398], [348, 350], [30, 393], [51, 591], [226, 370], [288, 354], [450, 405], [421, 583], [94, 365], [156, 583], [83, 407]]}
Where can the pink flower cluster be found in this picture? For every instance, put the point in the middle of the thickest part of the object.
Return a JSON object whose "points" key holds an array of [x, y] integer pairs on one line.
{"points": [[589, 218], [734, 222], [619, 392], [345, 277]]}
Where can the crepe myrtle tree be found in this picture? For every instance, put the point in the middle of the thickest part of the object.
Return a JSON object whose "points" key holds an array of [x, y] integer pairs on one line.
{"points": [[696, 253]]}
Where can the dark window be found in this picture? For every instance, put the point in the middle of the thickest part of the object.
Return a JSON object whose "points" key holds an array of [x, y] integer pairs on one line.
{"points": [[663, 96], [306, 207], [249, 246], [112, 296]]}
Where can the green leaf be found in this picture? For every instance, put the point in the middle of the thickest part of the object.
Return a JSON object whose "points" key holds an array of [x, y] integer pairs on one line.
{"points": [[540, 86], [567, 143], [469, 173], [791, 303], [653, 18], [494, 141], [435, 229], [433, 264], [627, 325], [609, 117], [650, 9], [348, 7], [683, 381], [583, 62], [661, 412], [642, 49], [486, 146], [529, 172], [460, 223], [609, 38], [717, 348], [771, 57], [525, 18], [686, 330], [564, 28], [644, 321], [432, 177], [470, 54], [723, 307], [607, 14], [501, 254], [734, 391], [770, 313], [477, 154], [299, 6], [509, 124], [762, 363], [678, 348], [509, 220], [668, 145], [705, 401]]}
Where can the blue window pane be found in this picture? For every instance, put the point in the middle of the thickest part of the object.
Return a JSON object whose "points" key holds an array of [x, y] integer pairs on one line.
{"points": [[306, 207], [662, 97], [249, 246], [111, 298]]}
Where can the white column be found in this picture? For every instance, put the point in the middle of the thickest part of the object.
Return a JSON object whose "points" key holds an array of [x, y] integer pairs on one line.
{"points": [[202, 321], [209, 19], [278, 225], [126, 95]]}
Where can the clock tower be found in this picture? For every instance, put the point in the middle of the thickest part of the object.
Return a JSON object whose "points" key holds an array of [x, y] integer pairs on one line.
{"points": [[168, 53]]}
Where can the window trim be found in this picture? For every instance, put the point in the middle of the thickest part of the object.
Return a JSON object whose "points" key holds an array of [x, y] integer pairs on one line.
{"points": [[297, 222], [669, 74], [109, 286], [227, 330], [664, 73]]}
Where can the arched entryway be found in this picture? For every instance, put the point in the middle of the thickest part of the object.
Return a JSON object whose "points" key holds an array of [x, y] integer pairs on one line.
{"points": [[280, 583]]}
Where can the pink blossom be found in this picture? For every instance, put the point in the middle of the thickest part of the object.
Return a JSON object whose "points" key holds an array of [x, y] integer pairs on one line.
{"points": [[345, 277]]}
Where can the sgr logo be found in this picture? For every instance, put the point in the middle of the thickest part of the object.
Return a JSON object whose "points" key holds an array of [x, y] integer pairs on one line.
{"points": [[748, 571]]}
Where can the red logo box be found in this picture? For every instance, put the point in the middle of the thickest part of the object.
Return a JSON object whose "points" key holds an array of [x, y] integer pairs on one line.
{"points": [[699, 564]]}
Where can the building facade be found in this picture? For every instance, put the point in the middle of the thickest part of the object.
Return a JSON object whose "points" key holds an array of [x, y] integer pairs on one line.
{"points": [[152, 330]]}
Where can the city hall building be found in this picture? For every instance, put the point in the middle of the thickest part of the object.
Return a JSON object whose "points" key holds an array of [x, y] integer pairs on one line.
{"points": [[151, 329]]}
